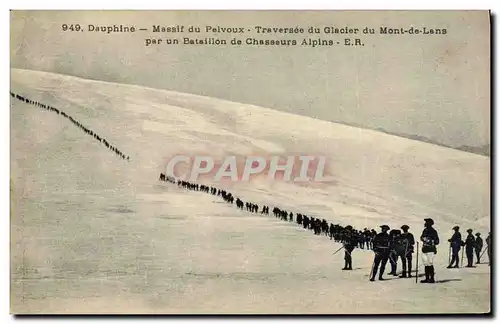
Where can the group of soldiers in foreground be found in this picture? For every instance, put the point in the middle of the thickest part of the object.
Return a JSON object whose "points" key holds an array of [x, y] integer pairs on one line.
{"points": [[396, 244], [74, 121], [388, 246]]}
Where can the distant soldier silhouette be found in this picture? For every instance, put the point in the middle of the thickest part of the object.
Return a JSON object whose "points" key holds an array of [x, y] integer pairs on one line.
{"points": [[382, 248], [349, 245], [470, 242], [429, 240], [455, 245]]}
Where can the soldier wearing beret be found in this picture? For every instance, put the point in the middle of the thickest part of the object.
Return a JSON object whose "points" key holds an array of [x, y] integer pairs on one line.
{"points": [[349, 241], [382, 245], [393, 255], [478, 247], [455, 245], [429, 240], [404, 247], [470, 241]]}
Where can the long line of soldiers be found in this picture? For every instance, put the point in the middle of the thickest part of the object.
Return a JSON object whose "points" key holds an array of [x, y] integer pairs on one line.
{"points": [[361, 239], [74, 121], [387, 246]]}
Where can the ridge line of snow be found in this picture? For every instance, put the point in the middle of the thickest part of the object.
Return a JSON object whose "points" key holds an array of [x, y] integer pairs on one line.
{"points": [[234, 103]]}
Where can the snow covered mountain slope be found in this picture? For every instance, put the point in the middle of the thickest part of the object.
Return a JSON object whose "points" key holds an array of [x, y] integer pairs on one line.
{"points": [[95, 233]]}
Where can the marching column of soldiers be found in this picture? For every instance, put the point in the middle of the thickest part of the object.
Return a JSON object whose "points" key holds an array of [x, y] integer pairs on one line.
{"points": [[75, 122], [355, 238], [387, 246]]}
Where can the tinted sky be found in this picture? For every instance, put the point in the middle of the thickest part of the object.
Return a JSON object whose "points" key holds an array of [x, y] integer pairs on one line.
{"points": [[435, 86]]}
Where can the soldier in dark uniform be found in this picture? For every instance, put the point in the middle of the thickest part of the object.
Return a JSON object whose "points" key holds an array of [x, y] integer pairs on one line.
{"points": [[349, 242], [393, 255], [469, 248], [373, 233], [429, 240], [367, 236], [404, 247], [488, 247], [382, 247], [478, 247], [455, 244], [361, 239]]}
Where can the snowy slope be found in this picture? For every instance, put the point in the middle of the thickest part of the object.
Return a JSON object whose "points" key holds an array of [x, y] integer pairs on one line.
{"points": [[87, 224]]}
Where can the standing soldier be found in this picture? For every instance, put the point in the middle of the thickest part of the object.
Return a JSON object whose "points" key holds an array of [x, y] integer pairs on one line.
{"points": [[393, 255], [382, 248], [478, 247], [373, 233], [406, 243], [367, 236], [488, 244], [349, 245], [455, 244], [469, 248], [430, 239]]}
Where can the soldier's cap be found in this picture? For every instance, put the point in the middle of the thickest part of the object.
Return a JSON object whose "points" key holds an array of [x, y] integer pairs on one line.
{"points": [[477, 234], [405, 227], [429, 220], [469, 230], [384, 227], [348, 227], [456, 227]]}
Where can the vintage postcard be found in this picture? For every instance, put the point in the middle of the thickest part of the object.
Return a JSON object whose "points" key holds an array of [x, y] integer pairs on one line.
{"points": [[250, 162]]}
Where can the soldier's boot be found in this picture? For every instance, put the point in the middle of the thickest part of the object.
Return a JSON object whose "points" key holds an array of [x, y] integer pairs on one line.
{"points": [[454, 260], [403, 274], [373, 275], [470, 262], [349, 264], [431, 274], [409, 269], [451, 262], [345, 265], [393, 269], [380, 275], [427, 275]]}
